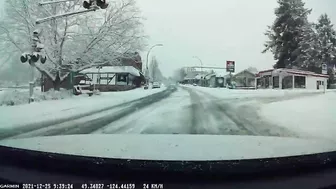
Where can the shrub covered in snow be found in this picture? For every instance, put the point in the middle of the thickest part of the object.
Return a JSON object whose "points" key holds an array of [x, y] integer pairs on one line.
{"points": [[17, 97]]}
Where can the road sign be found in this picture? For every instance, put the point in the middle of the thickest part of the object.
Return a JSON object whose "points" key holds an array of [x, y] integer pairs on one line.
{"points": [[324, 69], [230, 66], [190, 69]]}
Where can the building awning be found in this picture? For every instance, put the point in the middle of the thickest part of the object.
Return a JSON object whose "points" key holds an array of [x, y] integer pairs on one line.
{"points": [[112, 70]]}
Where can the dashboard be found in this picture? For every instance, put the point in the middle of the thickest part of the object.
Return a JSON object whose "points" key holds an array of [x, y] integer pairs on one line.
{"points": [[32, 169]]}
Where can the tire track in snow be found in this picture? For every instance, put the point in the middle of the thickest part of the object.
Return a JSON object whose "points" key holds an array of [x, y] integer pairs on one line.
{"points": [[159, 118], [246, 115], [208, 118], [91, 123]]}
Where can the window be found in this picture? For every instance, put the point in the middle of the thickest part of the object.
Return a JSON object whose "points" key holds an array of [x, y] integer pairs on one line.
{"points": [[276, 83], [300, 82], [287, 82], [104, 79], [122, 78]]}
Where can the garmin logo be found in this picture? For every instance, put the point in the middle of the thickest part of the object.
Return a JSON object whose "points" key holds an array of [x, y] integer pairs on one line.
{"points": [[9, 186]]}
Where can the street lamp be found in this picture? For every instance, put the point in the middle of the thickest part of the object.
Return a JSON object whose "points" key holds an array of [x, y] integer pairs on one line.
{"points": [[147, 71], [201, 67]]}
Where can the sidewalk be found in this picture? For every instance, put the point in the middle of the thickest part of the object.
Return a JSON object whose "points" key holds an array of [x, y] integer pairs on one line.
{"points": [[16, 116]]}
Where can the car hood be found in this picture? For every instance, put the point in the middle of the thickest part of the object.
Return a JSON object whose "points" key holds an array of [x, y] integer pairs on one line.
{"points": [[174, 147]]}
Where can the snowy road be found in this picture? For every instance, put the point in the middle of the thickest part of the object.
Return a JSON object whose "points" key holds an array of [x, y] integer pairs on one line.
{"points": [[85, 124], [177, 110]]}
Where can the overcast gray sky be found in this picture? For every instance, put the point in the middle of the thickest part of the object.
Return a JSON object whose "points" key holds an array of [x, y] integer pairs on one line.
{"points": [[214, 30]]}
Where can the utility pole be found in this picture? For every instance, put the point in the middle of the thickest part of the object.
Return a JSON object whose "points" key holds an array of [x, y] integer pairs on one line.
{"points": [[201, 68], [35, 53]]}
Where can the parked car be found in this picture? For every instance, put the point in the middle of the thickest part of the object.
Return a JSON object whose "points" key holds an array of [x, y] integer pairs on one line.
{"points": [[156, 85], [84, 87], [194, 84], [146, 86]]}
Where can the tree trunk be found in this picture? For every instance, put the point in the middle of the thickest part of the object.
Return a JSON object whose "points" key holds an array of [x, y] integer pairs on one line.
{"points": [[57, 83]]}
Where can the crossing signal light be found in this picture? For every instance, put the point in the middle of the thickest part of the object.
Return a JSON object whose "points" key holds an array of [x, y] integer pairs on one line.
{"points": [[24, 58], [87, 4], [102, 4]]}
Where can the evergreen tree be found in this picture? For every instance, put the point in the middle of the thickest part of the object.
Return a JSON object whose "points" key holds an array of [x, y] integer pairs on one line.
{"points": [[309, 49], [327, 40], [284, 34]]}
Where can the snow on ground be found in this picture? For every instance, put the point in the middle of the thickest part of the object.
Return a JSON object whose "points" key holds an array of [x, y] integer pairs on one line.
{"points": [[165, 116], [313, 116], [225, 93], [14, 116], [14, 97]]}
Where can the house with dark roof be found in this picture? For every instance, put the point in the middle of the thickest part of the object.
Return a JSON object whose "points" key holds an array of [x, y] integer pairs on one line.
{"points": [[245, 78], [126, 74]]}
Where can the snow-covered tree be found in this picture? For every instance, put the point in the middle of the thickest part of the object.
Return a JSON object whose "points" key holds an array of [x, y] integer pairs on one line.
{"points": [[284, 34], [154, 70], [75, 42], [309, 49], [327, 39], [179, 74]]}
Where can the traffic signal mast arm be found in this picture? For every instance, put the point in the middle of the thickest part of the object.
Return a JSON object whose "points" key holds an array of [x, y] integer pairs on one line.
{"points": [[39, 21], [91, 5], [53, 2]]}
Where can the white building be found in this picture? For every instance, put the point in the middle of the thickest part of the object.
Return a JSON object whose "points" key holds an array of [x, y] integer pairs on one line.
{"points": [[290, 79]]}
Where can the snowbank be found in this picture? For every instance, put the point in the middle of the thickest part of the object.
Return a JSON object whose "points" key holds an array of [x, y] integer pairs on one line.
{"points": [[313, 116], [225, 93], [13, 97], [15, 116]]}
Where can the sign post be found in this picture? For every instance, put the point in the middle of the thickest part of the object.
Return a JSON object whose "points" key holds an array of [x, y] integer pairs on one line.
{"points": [[325, 72], [230, 67]]}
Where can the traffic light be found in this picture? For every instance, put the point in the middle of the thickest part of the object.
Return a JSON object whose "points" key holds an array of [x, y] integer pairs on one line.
{"points": [[24, 58], [34, 57], [88, 4], [43, 59], [102, 4]]}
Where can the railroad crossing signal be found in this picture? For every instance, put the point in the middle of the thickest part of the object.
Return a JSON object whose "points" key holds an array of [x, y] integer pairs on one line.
{"points": [[89, 4], [36, 51]]}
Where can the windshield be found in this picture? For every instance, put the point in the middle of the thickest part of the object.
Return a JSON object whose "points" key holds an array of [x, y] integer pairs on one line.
{"points": [[192, 80]]}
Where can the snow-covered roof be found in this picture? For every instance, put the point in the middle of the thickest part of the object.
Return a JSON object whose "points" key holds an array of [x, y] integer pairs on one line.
{"points": [[246, 70], [198, 76], [221, 73], [209, 76], [252, 70], [190, 75], [290, 71], [113, 69]]}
